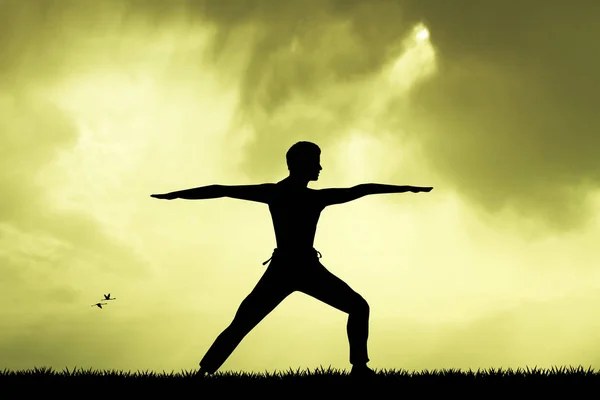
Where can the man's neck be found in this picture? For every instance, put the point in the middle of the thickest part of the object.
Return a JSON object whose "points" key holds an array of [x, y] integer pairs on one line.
{"points": [[296, 182]]}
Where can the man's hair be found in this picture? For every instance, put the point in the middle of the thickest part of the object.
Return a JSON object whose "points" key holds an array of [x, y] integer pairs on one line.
{"points": [[299, 152]]}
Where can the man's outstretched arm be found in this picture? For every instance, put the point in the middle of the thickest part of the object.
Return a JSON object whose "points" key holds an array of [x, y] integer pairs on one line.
{"points": [[258, 193], [344, 195]]}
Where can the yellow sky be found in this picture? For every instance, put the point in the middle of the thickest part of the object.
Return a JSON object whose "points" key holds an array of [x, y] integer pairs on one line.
{"points": [[103, 104]]}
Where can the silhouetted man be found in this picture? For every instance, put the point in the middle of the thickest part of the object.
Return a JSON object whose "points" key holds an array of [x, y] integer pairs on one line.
{"points": [[295, 265]]}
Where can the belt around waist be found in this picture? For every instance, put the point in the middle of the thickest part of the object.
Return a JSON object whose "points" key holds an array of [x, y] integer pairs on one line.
{"points": [[301, 252]]}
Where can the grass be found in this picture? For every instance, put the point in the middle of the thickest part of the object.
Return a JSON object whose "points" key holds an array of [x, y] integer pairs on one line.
{"points": [[318, 381]]}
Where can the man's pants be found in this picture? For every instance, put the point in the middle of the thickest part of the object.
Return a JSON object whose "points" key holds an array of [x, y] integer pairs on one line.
{"points": [[287, 273]]}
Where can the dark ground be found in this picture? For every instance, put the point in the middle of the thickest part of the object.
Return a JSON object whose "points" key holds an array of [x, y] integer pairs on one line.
{"points": [[321, 383]]}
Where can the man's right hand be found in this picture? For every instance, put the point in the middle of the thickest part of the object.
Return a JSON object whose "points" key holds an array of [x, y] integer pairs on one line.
{"points": [[417, 189], [164, 196]]}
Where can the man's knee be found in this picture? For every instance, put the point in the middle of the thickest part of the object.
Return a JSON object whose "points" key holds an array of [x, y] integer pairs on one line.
{"points": [[360, 306]]}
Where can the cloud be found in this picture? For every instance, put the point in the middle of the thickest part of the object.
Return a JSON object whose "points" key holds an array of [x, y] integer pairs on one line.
{"points": [[43, 248], [309, 72], [508, 119], [39, 243]]}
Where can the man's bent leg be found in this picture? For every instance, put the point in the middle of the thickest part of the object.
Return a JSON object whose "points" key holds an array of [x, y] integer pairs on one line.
{"points": [[328, 288], [267, 294]]}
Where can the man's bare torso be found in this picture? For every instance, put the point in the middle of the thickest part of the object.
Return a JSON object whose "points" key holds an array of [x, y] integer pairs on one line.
{"points": [[295, 213]]}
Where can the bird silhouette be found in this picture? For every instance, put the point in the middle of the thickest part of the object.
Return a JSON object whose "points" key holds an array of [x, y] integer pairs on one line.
{"points": [[99, 305], [107, 297]]}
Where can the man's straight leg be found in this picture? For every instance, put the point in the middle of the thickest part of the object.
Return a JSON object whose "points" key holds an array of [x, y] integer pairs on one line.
{"points": [[266, 295], [328, 288]]}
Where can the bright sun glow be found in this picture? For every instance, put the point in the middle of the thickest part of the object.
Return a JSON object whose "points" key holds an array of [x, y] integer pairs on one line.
{"points": [[415, 63], [421, 33]]}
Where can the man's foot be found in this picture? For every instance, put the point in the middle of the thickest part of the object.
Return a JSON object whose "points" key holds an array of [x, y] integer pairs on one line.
{"points": [[201, 373], [362, 371]]}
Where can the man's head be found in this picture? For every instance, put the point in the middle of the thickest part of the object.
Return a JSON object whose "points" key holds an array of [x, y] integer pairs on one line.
{"points": [[304, 160]]}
